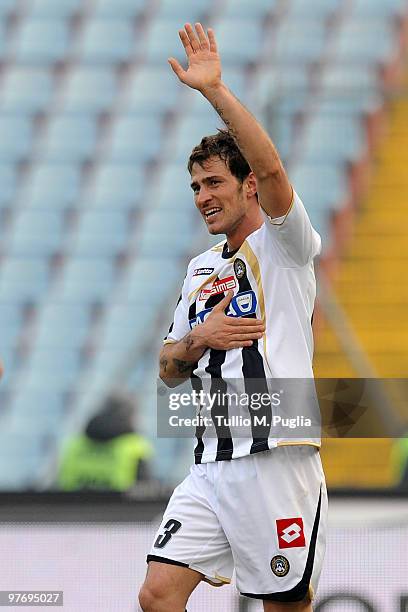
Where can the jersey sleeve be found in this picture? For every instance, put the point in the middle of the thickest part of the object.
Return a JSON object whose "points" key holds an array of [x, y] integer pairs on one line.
{"points": [[296, 241], [180, 326]]}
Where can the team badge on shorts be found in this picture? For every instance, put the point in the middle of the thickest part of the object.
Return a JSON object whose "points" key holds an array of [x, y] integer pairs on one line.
{"points": [[290, 533], [280, 566], [239, 268]]}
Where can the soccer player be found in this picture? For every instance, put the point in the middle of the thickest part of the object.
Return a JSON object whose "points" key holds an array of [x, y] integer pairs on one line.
{"points": [[257, 502]]}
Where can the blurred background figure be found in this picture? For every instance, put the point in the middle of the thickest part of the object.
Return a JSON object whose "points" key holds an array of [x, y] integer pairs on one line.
{"points": [[110, 454]]}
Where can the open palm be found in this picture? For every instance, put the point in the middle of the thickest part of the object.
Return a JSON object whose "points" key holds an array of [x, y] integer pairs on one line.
{"points": [[204, 65]]}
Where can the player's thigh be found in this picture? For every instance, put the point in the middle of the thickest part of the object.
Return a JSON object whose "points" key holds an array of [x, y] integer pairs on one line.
{"points": [[168, 584]]}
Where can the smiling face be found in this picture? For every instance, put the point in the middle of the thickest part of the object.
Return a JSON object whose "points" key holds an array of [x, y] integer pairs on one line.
{"points": [[219, 196]]}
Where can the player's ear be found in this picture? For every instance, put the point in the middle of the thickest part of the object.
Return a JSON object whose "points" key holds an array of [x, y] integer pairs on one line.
{"points": [[250, 185]]}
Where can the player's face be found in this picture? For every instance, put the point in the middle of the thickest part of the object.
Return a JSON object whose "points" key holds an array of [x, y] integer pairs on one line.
{"points": [[218, 196]]}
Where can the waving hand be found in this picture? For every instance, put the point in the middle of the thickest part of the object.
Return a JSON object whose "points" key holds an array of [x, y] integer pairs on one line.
{"points": [[204, 66]]}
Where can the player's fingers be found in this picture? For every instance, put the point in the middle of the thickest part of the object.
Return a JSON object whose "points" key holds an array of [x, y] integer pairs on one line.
{"points": [[204, 44], [241, 322], [212, 41], [232, 345], [177, 68], [224, 302], [246, 337], [195, 45], [186, 43]]}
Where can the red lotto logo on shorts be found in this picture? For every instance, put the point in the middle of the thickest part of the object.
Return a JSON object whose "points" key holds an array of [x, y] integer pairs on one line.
{"points": [[290, 533]]}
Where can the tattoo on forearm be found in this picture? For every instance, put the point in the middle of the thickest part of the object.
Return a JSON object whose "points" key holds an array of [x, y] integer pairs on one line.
{"points": [[163, 364], [188, 341], [183, 366]]}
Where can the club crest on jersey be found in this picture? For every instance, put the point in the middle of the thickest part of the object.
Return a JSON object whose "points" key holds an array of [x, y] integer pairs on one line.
{"points": [[280, 566], [203, 271], [239, 268], [219, 286], [290, 533], [241, 305]]}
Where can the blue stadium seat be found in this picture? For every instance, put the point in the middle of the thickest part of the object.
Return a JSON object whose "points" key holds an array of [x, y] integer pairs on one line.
{"points": [[121, 327], [69, 138], [366, 42], [36, 233], [162, 41], [249, 35], [8, 182], [52, 369], [100, 233], [173, 191], [12, 317], [107, 41], [61, 324], [88, 89], [124, 9], [23, 279], [321, 186], [7, 7], [150, 280], [50, 9], [86, 280], [377, 9], [151, 89], [348, 89], [307, 39], [135, 138], [116, 186], [183, 11], [254, 9], [51, 186], [318, 9], [39, 412], [26, 90], [190, 131], [333, 138], [174, 230], [41, 41], [16, 137], [21, 457]]}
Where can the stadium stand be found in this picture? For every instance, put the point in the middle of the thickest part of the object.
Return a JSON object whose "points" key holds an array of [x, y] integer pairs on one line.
{"points": [[96, 213]]}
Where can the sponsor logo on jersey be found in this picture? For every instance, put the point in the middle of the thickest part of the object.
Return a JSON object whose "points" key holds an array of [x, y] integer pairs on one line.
{"points": [[203, 271], [218, 286], [241, 305], [280, 566], [239, 268], [290, 533]]}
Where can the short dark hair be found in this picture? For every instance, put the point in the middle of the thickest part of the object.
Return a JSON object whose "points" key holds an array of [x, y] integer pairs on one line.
{"points": [[221, 145]]}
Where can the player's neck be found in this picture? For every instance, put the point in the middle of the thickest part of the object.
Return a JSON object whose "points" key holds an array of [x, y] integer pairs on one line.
{"points": [[238, 235]]}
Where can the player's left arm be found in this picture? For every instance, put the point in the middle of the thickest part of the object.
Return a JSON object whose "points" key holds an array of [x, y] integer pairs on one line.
{"points": [[204, 74]]}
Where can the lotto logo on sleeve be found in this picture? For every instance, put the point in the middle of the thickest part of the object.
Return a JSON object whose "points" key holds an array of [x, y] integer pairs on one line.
{"points": [[290, 533]]}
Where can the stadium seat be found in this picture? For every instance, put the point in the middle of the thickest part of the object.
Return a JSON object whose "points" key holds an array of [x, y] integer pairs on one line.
{"points": [[100, 233], [116, 186], [7, 7], [52, 369], [135, 138], [307, 39], [377, 9], [68, 138], [86, 280], [122, 329], [151, 89], [321, 186], [35, 233], [173, 191], [46, 9], [162, 41], [248, 32], [61, 324], [364, 43], [107, 41], [23, 279], [150, 280], [21, 457], [88, 89], [123, 9], [40, 41], [16, 137], [348, 89], [333, 138], [190, 131], [12, 317], [26, 90], [8, 182], [184, 12], [174, 230], [318, 9], [258, 9], [50, 186]]}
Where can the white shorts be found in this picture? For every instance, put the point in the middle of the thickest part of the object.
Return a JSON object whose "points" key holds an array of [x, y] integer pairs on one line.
{"points": [[264, 514]]}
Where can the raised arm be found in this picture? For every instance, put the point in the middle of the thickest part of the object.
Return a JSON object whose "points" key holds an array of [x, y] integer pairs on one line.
{"points": [[204, 74]]}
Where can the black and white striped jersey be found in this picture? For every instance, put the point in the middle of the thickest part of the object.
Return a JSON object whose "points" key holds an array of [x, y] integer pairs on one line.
{"points": [[272, 276]]}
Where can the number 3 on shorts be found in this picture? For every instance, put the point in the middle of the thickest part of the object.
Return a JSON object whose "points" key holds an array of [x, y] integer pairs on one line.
{"points": [[171, 527]]}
